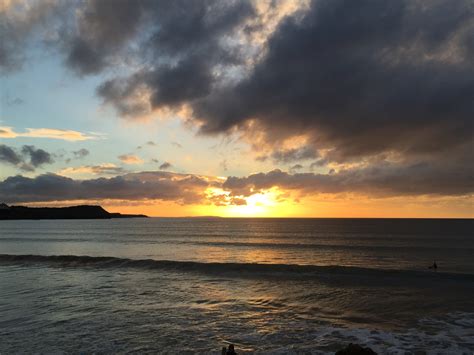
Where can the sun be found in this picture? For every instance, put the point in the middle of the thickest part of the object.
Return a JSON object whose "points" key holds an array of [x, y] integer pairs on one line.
{"points": [[258, 205], [262, 203]]}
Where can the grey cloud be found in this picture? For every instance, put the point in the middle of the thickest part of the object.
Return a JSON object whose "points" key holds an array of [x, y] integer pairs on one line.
{"points": [[8, 155], [20, 21], [149, 144], [294, 154], [85, 59], [181, 188], [318, 163], [360, 78], [14, 102], [81, 153], [181, 54], [179, 50], [28, 159], [37, 157], [200, 26], [165, 166], [296, 167], [104, 26], [177, 44], [189, 79], [169, 86], [384, 180]]}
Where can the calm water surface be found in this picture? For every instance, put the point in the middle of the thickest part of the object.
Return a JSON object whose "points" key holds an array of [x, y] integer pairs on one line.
{"points": [[267, 285]]}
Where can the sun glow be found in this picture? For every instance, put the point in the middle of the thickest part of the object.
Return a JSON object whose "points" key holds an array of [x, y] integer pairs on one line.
{"points": [[266, 203], [260, 204]]}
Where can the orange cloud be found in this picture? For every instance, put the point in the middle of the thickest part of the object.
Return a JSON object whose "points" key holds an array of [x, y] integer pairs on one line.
{"points": [[130, 159], [101, 169], [62, 134]]}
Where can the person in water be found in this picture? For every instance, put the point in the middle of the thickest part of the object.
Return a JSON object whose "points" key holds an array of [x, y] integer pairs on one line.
{"points": [[230, 350], [434, 266]]}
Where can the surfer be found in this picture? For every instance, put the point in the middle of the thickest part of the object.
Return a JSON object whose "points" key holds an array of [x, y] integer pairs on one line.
{"points": [[230, 350]]}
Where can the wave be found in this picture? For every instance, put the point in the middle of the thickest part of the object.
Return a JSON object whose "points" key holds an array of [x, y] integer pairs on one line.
{"points": [[291, 271], [226, 244]]}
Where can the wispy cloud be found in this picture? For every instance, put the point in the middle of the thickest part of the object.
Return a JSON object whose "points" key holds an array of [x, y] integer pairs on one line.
{"points": [[62, 134], [101, 169]]}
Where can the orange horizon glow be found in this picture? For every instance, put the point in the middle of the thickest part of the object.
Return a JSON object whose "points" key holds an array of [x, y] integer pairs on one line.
{"points": [[262, 206], [275, 203], [270, 204]]}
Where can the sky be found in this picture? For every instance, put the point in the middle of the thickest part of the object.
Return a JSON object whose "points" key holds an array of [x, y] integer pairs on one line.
{"points": [[324, 108]]}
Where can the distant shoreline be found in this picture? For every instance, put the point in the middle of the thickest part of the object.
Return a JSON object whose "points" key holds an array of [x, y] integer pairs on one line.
{"points": [[72, 212], [296, 218]]}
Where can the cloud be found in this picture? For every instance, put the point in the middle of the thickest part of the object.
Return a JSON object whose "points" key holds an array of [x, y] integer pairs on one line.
{"points": [[38, 157], [296, 167], [77, 154], [149, 144], [101, 169], [22, 20], [223, 165], [294, 154], [181, 55], [13, 101], [130, 159], [8, 155], [384, 180], [381, 91], [67, 135], [165, 166], [178, 58], [28, 159], [81, 153], [359, 79], [180, 188]]}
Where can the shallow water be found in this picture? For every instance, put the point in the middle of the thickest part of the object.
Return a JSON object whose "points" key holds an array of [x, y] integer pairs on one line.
{"points": [[285, 286]]}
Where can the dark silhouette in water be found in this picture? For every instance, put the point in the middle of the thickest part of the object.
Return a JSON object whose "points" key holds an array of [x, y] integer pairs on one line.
{"points": [[355, 349], [434, 266], [229, 351], [351, 349]]}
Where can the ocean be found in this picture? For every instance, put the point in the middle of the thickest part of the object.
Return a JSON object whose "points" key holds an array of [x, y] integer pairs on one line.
{"points": [[193, 285]]}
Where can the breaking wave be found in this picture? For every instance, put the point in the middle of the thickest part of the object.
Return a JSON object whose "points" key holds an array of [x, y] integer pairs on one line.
{"points": [[241, 269]]}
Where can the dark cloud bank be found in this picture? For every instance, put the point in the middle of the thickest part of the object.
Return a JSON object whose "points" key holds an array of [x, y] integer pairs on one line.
{"points": [[363, 81], [381, 181], [180, 188]]}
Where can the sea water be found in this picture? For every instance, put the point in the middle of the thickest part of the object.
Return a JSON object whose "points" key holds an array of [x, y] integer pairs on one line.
{"points": [[193, 285]]}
